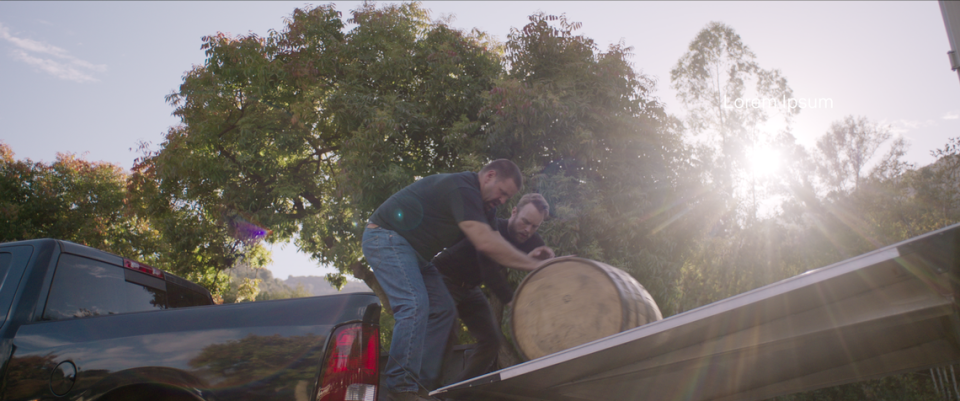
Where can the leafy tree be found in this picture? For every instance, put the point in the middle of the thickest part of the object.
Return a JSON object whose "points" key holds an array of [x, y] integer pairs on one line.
{"points": [[942, 190], [717, 70], [894, 202], [847, 148], [75, 200], [244, 277], [584, 125], [899, 201], [98, 205], [586, 130], [892, 165], [70, 198], [808, 231], [309, 129], [718, 80], [198, 244], [737, 251]]}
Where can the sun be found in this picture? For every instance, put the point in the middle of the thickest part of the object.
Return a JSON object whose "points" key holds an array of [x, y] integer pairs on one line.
{"points": [[763, 161]]}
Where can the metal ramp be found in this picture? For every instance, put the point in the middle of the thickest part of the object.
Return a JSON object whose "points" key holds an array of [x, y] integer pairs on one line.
{"points": [[888, 311]]}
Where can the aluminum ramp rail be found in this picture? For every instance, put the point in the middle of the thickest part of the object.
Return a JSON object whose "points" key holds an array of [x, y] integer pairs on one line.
{"points": [[888, 311]]}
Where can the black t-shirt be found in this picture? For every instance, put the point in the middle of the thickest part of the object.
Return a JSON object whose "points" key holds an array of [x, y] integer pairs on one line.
{"points": [[426, 213], [463, 264]]}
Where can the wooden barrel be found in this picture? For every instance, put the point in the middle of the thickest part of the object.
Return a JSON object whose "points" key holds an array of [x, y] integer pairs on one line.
{"points": [[571, 301]]}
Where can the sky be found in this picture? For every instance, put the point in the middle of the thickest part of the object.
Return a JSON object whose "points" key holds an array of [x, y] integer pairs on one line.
{"points": [[90, 77]]}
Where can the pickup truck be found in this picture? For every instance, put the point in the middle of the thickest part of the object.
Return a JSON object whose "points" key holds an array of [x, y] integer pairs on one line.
{"points": [[82, 324]]}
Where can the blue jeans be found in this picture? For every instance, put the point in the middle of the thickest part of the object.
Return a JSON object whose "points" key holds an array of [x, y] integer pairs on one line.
{"points": [[422, 308]]}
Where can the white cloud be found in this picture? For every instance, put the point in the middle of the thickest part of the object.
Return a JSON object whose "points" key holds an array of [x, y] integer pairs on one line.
{"points": [[902, 127], [55, 68], [62, 65], [951, 115]]}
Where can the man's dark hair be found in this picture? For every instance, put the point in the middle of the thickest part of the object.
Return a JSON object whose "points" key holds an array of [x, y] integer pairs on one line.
{"points": [[505, 169], [537, 200]]}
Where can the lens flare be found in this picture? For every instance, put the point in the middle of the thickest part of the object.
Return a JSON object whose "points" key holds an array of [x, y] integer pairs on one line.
{"points": [[242, 228]]}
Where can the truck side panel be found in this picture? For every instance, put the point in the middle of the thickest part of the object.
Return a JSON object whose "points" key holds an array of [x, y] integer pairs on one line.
{"points": [[81, 327], [13, 260], [254, 351]]}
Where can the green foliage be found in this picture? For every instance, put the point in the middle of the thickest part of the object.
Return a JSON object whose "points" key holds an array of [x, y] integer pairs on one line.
{"points": [[312, 127], [845, 150], [248, 290], [894, 202], [248, 284], [386, 329], [98, 205], [847, 208], [718, 69], [903, 387], [195, 243], [585, 128], [70, 199]]}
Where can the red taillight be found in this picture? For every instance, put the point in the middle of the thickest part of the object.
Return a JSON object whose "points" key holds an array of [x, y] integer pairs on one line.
{"points": [[371, 355], [351, 368], [140, 267]]}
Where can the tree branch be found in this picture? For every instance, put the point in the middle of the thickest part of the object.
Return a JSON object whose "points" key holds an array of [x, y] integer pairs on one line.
{"points": [[362, 272]]}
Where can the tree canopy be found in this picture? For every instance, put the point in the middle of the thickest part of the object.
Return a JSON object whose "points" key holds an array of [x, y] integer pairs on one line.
{"points": [[307, 130], [586, 128], [99, 205]]}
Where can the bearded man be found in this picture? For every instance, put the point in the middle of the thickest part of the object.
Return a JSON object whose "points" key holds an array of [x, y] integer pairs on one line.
{"points": [[464, 269]]}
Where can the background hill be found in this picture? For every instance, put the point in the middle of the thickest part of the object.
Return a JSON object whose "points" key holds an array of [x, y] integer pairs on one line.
{"points": [[271, 287], [315, 285]]}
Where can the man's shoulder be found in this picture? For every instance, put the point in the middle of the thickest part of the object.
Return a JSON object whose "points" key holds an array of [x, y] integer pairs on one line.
{"points": [[452, 181], [446, 182], [464, 179]]}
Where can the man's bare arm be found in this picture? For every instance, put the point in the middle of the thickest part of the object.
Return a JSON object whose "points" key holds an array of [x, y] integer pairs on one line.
{"points": [[490, 243]]}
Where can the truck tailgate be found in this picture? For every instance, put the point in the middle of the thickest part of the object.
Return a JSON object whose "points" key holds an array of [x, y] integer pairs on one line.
{"points": [[888, 311]]}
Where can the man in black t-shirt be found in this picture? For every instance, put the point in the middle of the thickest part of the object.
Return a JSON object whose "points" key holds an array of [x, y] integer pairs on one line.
{"points": [[464, 269], [409, 229]]}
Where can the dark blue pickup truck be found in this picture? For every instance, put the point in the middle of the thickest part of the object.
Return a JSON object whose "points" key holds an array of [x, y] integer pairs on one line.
{"points": [[82, 324]]}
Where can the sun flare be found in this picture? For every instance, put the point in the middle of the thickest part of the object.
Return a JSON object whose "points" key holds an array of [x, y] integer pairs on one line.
{"points": [[764, 161]]}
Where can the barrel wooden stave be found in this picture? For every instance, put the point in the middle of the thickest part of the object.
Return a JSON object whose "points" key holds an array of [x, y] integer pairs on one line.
{"points": [[574, 301]]}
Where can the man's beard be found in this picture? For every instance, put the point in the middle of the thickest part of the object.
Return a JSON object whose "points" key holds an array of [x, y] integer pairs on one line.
{"points": [[514, 234]]}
